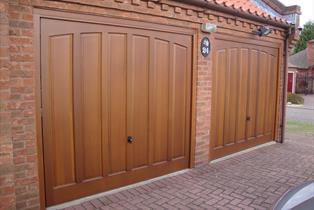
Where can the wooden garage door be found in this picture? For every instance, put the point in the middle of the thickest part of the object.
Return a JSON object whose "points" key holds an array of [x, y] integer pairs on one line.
{"points": [[102, 84], [244, 96]]}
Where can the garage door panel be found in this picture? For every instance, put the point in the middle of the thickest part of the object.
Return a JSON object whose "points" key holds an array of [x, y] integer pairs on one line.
{"points": [[245, 87], [270, 114], [227, 96], [221, 66], [261, 94], [268, 105], [90, 110], [252, 95], [177, 107], [117, 117], [214, 124], [102, 84], [231, 96], [273, 95], [60, 109], [138, 101], [105, 102], [242, 94], [159, 93]]}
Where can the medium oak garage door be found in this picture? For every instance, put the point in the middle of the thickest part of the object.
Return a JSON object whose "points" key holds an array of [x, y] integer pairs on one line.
{"points": [[116, 106], [244, 95]]}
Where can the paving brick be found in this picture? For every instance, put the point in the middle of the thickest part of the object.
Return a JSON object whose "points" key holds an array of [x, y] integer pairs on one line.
{"points": [[246, 201], [230, 206], [106, 208], [96, 203], [79, 207], [223, 202], [235, 201]]}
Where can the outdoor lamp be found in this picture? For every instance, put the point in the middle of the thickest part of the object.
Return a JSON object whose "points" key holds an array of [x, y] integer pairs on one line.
{"points": [[208, 27], [263, 31]]}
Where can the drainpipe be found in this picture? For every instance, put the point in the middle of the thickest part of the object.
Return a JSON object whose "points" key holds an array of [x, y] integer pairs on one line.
{"points": [[284, 89]]}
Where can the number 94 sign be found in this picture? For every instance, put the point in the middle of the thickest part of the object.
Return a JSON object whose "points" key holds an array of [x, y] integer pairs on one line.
{"points": [[205, 46]]}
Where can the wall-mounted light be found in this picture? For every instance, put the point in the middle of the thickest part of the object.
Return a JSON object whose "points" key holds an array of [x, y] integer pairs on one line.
{"points": [[263, 31], [208, 27]]}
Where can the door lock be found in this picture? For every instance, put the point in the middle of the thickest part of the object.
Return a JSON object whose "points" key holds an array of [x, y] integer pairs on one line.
{"points": [[131, 139]]}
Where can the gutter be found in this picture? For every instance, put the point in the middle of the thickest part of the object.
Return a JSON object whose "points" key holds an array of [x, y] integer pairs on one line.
{"points": [[284, 90], [230, 11]]}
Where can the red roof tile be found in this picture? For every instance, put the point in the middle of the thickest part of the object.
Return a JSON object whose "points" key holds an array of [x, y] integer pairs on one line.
{"points": [[247, 6]]}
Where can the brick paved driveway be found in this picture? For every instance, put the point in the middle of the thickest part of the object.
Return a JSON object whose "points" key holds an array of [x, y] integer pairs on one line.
{"points": [[254, 180]]}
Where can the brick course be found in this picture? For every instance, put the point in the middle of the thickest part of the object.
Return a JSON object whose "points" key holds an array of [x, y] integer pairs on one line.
{"points": [[19, 187]]}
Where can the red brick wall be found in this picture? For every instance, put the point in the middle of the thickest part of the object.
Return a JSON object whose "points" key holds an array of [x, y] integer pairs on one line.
{"points": [[22, 103], [203, 96], [19, 186], [7, 189], [310, 52], [18, 108]]}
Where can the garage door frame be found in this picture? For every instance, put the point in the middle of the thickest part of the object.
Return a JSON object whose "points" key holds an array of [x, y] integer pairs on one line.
{"points": [[263, 42], [53, 14]]}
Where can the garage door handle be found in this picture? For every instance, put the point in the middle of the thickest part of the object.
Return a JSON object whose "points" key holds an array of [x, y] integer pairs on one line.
{"points": [[248, 118], [131, 139]]}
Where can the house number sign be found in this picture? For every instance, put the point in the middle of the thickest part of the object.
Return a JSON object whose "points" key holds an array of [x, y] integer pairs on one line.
{"points": [[205, 46]]}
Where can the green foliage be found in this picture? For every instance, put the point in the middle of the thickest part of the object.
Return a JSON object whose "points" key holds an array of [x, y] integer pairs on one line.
{"points": [[295, 98], [293, 126], [307, 34]]}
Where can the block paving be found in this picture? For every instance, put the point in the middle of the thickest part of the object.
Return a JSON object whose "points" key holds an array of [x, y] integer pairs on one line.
{"points": [[253, 180]]}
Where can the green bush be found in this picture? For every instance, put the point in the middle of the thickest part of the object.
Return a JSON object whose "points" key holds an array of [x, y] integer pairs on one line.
{"points": [[295, 98]]}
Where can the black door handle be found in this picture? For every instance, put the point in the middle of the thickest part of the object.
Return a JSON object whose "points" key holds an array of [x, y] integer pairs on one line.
{"points": [[131, 139], [248, 118]]}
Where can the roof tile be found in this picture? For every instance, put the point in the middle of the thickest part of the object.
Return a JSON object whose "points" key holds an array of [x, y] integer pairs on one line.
{"points": [[246, 6]]}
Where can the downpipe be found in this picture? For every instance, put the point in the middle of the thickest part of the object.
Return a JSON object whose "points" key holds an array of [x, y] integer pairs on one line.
{"points": [[284, 89]]}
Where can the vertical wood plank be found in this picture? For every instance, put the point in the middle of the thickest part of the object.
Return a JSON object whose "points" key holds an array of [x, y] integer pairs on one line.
{"points": [[160, 96], [252, 95], [268, 99], [231, 96], [261, 101], [242, 91], [58, 105], [221, 66], [105, 103], [151, 100], [91, 104], [171, 95], [179, 94], [272, 94], [138, 100], [117, 118]]}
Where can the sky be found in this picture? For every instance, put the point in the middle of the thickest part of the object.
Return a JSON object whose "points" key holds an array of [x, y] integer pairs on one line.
{"points": [[307, 9]]}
